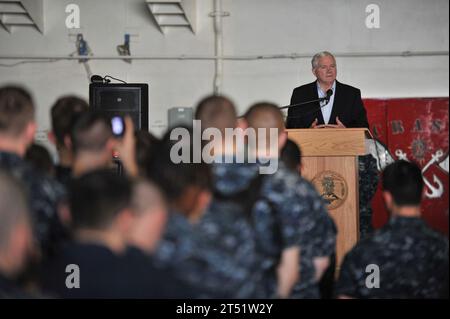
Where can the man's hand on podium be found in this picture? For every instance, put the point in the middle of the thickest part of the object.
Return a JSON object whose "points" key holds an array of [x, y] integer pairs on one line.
{"points": [[314, 124], [338, 125]]}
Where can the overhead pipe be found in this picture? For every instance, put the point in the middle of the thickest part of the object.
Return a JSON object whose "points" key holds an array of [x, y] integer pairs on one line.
{"points": [[224, 57]]}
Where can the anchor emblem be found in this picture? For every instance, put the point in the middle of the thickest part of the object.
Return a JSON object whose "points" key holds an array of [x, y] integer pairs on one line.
{"points": [[432, 191]]}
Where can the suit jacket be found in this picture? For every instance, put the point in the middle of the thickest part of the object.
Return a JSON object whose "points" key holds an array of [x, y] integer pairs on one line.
{"points": [[347, 105]]}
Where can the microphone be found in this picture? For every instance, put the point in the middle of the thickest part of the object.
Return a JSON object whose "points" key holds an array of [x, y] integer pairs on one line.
{"points": [[104, 79], [97, 79], [329, 94], [325, 98]]}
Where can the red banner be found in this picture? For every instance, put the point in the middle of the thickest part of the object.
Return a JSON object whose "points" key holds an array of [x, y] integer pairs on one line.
{"points": [[415, 130]]}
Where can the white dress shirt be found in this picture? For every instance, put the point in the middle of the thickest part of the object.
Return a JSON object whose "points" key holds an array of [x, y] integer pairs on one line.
{"points": [[326, 108]]}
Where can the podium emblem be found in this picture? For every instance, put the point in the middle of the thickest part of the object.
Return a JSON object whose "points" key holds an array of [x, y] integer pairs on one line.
{"points": [[332, 187]]}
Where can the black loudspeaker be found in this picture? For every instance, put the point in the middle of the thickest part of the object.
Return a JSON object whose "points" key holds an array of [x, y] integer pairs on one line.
{"points": [[120, 100]]}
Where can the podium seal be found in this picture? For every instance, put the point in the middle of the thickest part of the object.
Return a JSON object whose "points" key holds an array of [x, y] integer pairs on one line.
{"points": [[332, 187]]}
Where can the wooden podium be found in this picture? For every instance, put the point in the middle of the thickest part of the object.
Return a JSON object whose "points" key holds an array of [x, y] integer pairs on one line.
{"points": [[330, 162]]}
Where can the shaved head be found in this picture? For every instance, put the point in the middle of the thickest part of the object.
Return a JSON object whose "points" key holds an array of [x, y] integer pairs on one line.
{"points": [[16, 110], [150, 216], [146, 197], [265, 115], [90, 133], [216, 111]]}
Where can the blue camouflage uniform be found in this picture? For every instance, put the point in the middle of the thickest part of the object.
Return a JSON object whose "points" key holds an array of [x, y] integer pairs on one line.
{"points": [[215, 256], [227, 233], [235, 248], [412, 260], [44, 195], [177, 250], [304, 220], [368, 182], [287, 212], [237, 191]]}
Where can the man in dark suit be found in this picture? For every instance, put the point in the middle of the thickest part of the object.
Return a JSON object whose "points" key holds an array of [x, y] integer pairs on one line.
{"points": [[343, 109]]}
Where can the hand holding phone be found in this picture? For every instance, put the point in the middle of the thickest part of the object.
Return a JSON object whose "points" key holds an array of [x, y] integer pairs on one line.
{"points": [[126, 147]]}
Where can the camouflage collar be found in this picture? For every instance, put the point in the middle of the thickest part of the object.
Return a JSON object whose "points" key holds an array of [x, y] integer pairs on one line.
{"points": [[399, 221]]}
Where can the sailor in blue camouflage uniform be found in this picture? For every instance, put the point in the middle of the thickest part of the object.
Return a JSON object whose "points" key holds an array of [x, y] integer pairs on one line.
{"points": [[213, 253], [227, 228], [17, 128], [405, 258], [263, 202], [227, 234], [179, 251], [303, 217], [44, 195], [291, 156], [286, 212], [253, 217], [238, 190], [216, 269], [302, 214]]}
